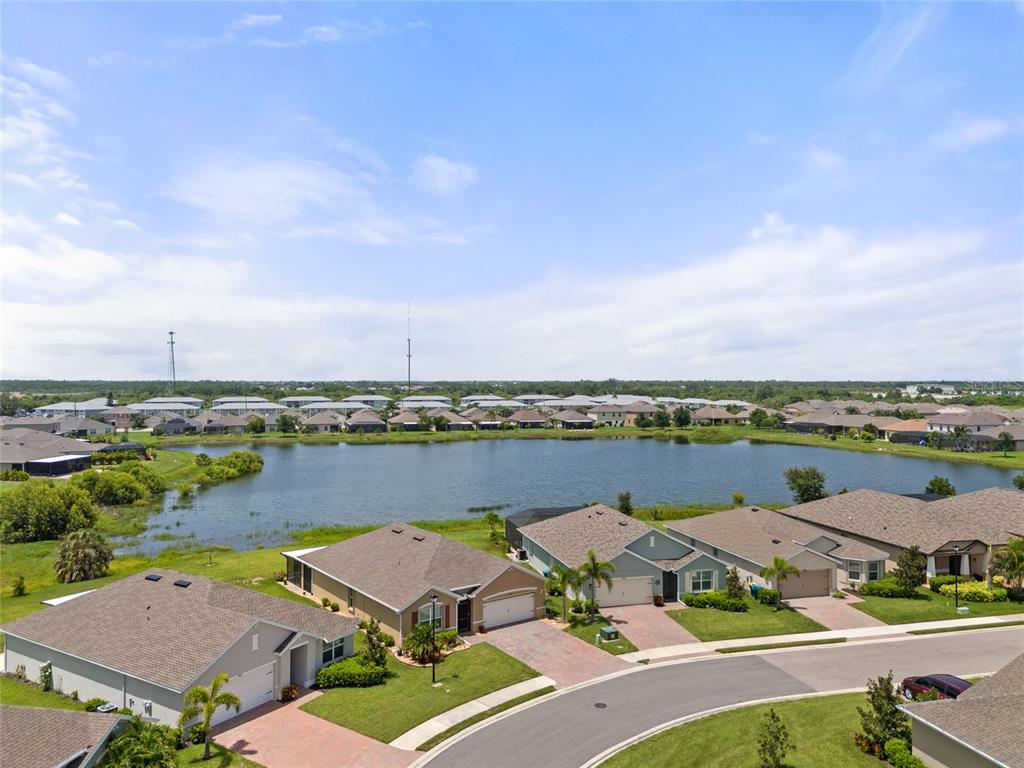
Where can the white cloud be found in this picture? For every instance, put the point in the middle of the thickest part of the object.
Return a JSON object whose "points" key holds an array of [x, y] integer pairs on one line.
{"points": [[964, 131], [251, 20], [822, 159], [125, 224], [773, 225], [442, 176], [66, 218], [47, 78], [21, 180], [108, 59], [898, 29], [347, 29]]}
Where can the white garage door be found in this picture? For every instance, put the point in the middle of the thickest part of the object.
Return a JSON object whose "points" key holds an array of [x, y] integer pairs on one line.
{"points": [[506, 610], [627, 591], [809, 583], [254, 687]]}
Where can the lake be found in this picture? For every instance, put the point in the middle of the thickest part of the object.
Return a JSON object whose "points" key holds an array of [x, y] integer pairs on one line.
{"points": [[345, 484]]}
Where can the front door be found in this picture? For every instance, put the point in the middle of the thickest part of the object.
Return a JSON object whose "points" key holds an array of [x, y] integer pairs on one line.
{"points": [[670, 582], [464, 616]]}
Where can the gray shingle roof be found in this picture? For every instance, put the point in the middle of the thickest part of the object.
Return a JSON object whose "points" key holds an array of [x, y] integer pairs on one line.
{"points": [[569, 537], [988, 716], [397, 563], [970, 419], [23, 444], [364, 417], [156, 631], [759, 535], [571, 416], [34, 737], [991, 515]]}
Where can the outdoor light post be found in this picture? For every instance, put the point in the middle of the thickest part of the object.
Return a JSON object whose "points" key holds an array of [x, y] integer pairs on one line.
{"points": [[433, 640]]}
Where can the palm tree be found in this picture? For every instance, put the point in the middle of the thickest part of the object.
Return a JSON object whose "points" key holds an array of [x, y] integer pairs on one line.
{"points": [[203, 702], [82, 555], [141, 745], [565, 579], [1004, 442], [1008, 561], [779, 570], [960, 436], [596, 572]]}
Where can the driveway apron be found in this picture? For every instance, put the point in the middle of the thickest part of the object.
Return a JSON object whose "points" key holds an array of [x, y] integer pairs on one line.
{"points": [[647, 626]]}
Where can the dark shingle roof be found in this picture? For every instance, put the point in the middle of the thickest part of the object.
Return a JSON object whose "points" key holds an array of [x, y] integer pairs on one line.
{"points": [[569, 537], [156, 631], [35, 737]]}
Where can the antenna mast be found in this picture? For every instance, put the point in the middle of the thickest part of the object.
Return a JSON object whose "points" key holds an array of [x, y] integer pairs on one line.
{"points": [[408, 348], [172, 376]]}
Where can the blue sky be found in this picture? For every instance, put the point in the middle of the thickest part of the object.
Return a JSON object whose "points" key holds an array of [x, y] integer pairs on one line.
{"points": [[561, 191]]}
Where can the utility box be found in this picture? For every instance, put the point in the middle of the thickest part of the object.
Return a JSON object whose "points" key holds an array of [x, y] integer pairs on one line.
{"points": [[609, 633]]}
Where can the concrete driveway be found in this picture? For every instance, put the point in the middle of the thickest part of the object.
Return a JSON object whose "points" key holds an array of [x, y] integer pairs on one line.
{"points": [[565, 659], [283, 736], [834, 614], [647, 626]]}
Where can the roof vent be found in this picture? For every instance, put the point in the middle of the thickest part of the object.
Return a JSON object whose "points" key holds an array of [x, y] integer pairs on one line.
{"points": [[153, 577], [418, 537], [396, 529], [776, 541], [623, 522], [182, 583], [599, 511]]}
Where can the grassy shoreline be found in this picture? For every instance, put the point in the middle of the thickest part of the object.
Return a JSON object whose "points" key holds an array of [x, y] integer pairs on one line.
{"points": [[701, 435]]}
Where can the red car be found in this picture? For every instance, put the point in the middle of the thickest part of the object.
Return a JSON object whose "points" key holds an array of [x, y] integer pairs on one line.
{"points": [[946, 686]]}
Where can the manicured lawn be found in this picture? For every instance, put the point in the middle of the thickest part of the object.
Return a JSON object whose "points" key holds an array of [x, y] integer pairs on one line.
{"points": [[385, 712], [820, 728], [943, 630], [929, 607], [708, 624], [578, 627], [16, 693], [428, 745], [222, 758]]}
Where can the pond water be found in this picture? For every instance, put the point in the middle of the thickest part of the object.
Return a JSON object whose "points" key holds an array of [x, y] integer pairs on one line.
{"points": [[345, 484]]}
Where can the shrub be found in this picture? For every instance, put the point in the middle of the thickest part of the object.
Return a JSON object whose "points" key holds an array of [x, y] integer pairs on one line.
{"points": [[882, 719], [196, 733], [374, 652], [40, 510], [15, 475], [289, 693], [910, 568], [82, 555], [974, 592], [242, 462], [767, 596], [773, 741], [73, 695], [113, 486], [886, 587], [18, 590], [93, 704], [145, 475], [898, 753], [718, 600], [420, 645], [839, 595], [335, 607], [447, 639], [325, 601], [583, 605], [936, 582], [350, 673], [733, 585], [46, 676]]}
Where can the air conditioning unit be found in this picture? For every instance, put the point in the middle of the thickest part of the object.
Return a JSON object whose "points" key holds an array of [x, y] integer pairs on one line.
{"points": [[521, 555]]}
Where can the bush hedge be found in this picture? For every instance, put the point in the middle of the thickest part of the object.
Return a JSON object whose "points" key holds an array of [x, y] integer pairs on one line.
{"points": [[935, 583], [886, 587], [767, 596], [718, 600], [974, 592], [898, 753], [350, 673]]}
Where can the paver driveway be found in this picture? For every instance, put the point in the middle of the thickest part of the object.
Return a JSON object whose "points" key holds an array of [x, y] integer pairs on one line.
{"points": [[834, 614], [647, 626], [565, 659], [283, 736]]}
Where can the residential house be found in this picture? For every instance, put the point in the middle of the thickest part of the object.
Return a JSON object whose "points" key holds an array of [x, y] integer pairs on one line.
{"points": [[365, 421], [142, 642], [81, 426], [407, 421], [40, 453], [425, 401], [120, 417], [91, 408], [562, 403], [453, 421], [330, 406], [517, 520], [196, 402], [484, 419], [48, 424], [40, 737], [174, 424], [985, 440], [526, 418], [511, 405], [837, 423], [297, 401], [217, 423], [750, 538], [980, 728], [531, 400], [391, 573], [956, 533], [375, 402], [472, 400], [239, 400], [321, 422], [238, 408], [569, 419], [972, 421], [149, 408], [905, 431], [621, 414], [715, 416], [647, 562]]}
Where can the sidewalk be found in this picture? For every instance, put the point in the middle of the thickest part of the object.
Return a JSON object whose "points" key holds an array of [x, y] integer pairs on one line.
{"points": [[431, 728], [862, 633]]}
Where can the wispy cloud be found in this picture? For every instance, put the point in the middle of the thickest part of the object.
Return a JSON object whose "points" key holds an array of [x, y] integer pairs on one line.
{"points": [[899, 28], [762, 139], [47, 78], [963, 131], [821, 159], [773, 225], [346, 30], [442, 176], [251, 20], [66, 218]]}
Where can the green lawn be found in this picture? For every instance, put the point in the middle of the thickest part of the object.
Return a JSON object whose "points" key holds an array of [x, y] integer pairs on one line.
{"points": [[222, 758], [820, 728], [930, 606], [773, 646], [15, 692], [587, 632], [385, 712], [708, 624], [444, 735]]}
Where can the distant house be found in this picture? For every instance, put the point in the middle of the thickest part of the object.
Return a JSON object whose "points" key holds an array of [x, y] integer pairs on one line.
{"points": [[216, 423], [142, 642], [48, 424], [90, 408], [425, 401], [526, 418], [571, 420], [365, 421], [238, 408], [905, 431], [750, 538], [716, 416], [837, 423], [240, 400], [453, 421], [647, 562], [297, 401], [375, 402], [390, 574], [39, 737], [40, 453], [534, 399], [407, 421], [985, 440], [981, 728], [120, 417], [150, 408], [321, 422], [80, 426], [173, 424], [973, 421], [621, 414], [483, 419]]}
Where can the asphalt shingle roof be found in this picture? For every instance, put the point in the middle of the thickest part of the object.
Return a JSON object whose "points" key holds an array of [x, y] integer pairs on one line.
{"points": [[569, 537], [35, 737], [156, 631]]}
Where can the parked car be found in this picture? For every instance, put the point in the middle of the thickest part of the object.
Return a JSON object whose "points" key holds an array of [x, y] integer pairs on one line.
{"points": [[946, 686]]}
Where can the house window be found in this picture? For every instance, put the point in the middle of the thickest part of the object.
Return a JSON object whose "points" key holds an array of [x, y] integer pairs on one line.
{"points": [[874, 570], [702, 581], [351, 598], [423, 615], [853, 570], [256, 642], [714, 551], [334, 650]]}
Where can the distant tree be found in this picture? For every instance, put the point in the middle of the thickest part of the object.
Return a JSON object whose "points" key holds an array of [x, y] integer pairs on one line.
{"points": [[773, 742], [759, 418], [910, 569], [596, 572], [138, 421], [779, 571], [940, 485], [1008, 562], [961, 436], [564, 579], [1004, 442], [626, 503], [503, 412], [496, 528], [82, 555], [681, 416], [738, 498], [256, 425], [806, 483], [424, 422], [440, 423], [882, 719], [661, 420], [934, 440], [110, 399], [287, 423], [202, 702], [643, 421], [1018, 481], [871, 429]]}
